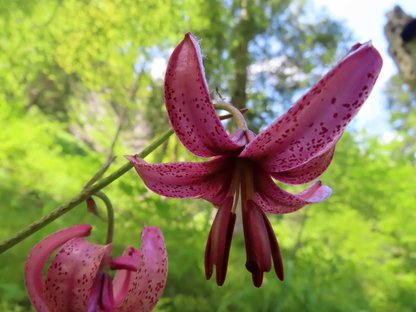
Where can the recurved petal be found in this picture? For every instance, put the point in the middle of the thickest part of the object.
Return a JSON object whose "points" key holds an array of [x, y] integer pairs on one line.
{"points": [[70, 279], [107, 295], [189, 106], [147, 283], [131, 260], [128, 261], [38, 257], [273, 199], [242, 136], [94, 298], [185, 179], [307, 172], [319, 118]]}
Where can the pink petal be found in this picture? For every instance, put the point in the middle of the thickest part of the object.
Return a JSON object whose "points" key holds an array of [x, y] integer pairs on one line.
{"points": [[70, 279], [107, 296], [122, 278], [147, 284], [128, 261], [38, 257], [186, 179], [189, 106], [242, 137], [272, 199], [319, 118], [307, 172], [93, 300]]}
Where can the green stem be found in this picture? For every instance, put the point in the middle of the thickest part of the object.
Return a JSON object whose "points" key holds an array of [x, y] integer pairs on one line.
{"points": [[81, 197], [110, 215]]}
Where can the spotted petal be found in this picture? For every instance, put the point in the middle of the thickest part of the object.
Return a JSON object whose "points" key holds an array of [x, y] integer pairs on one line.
{"points": [[38, 257], [308, 171], [186, 179], [147, 283], [71, 275], [273, 199], [189, 106], [319, 118]]}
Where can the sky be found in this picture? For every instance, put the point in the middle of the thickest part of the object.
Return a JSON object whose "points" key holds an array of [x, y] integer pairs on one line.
{"points": [[366, 19]]}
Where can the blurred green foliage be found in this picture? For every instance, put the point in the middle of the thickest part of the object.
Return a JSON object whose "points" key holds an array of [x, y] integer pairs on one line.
{"points": [[70, 69], [401, 99]]}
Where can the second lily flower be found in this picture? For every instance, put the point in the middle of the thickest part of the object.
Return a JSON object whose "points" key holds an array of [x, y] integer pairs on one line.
{"points": [[295, 149]]}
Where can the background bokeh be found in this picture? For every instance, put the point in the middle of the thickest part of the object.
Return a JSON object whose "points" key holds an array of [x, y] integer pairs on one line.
{"points": [[72, 70]]}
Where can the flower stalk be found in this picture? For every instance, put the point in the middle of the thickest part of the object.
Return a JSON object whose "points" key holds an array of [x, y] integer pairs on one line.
{"points": [[110, 215], [80, 198], [235, 112]]}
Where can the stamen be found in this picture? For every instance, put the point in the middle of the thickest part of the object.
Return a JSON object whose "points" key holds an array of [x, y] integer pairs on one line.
{"points": [[218, 245]]}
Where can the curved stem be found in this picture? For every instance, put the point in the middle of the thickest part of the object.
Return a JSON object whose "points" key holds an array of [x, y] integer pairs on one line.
{"points": [[110, 215], [83, 195], [235, 112]]}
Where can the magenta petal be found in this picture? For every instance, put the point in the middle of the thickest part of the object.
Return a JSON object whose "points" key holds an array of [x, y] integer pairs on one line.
{"points": [[95, 294], [147, 284], [189, 106], [107, 297], [272, 199], [121, 282], [319, 118], [185, 180], [130, 260], [38, 257], [307, 172], [242, 137], [70, 279]]}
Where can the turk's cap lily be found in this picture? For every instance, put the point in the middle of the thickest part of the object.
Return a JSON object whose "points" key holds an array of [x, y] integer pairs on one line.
{"points": [[77, 278], [295, 149], [310, 128]]}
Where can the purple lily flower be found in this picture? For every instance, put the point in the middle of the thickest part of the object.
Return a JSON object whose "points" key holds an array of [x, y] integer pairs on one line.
{"points": [[295, 149], [77, 279]]}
